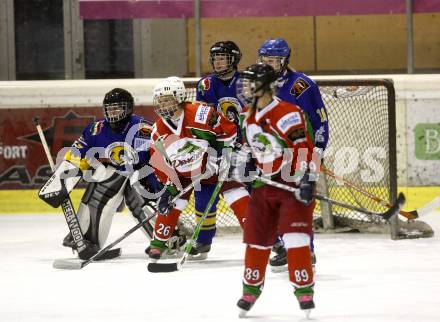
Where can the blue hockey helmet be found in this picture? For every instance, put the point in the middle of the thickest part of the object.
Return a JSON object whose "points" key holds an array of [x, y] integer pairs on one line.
{"points": [[275, 52]]}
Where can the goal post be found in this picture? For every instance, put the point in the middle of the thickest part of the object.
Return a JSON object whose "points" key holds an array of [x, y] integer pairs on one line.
{"points": [[361, 150]]}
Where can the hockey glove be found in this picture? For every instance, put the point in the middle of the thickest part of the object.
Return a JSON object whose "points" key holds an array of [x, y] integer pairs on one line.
{"points": [[217, 161], [242, 165], [165, 204], [306, 189]]}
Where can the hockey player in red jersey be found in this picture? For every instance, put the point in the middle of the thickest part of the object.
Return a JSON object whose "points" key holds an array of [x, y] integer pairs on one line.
{"points": [[192, 135], [283, 151], [299, 89]]}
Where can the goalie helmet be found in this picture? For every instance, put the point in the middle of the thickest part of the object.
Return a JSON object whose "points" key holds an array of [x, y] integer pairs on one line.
{"points": [[254, 81], [275, 52], [168, 94], [224, 57], [118, 106]]}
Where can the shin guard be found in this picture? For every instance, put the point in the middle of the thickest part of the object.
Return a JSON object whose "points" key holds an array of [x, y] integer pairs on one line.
{"points": [[165, 225], [255, 263], [237, 199], [299, 264]]}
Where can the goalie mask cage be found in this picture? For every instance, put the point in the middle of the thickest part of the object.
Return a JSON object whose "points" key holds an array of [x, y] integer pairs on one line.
{"points": [[361, 149]]}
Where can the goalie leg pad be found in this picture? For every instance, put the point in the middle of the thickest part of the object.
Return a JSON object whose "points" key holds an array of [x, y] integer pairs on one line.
{"points": [[136, 204], [98, 205]]}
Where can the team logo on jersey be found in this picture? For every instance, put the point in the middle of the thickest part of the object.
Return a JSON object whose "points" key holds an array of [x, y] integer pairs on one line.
{"points": [[214, 119], [261, 142], [188, 148], [299, 87], [204, 85], [202, 114], [186, 155], [145, 130], [120, 153], [96, 127], [264, 145], [230, 108], [289, 120]]}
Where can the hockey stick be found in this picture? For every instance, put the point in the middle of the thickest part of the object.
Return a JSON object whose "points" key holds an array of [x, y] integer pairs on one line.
{"points": [[172, 267], [414, 214], [387, 215], [66, 205], [68, 264], [75, 265]]}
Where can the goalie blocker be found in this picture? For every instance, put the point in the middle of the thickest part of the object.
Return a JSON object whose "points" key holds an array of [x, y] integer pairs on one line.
{"points": [[60, 184]]}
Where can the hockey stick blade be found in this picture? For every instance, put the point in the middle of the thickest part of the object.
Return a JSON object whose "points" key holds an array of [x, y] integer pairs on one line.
{"points": [[162, 267], [423, 211], [166, 267], [75, 264], [407, 214], [395, 209]]}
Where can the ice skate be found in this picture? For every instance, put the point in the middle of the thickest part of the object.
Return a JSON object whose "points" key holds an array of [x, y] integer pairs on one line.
{"points": [[306, 304], [68, 241], [154, 254], [199, 252], [174, 246], [245, 303], [91, 250]]}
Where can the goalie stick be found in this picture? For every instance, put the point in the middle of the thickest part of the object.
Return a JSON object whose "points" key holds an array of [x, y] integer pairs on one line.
{"points": [[75, 265], [387, 215], [66, 205], [173, 267], [414, 214]]}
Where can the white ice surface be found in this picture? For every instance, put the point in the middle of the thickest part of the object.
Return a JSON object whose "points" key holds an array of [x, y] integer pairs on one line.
{"points": [[359, 278]]}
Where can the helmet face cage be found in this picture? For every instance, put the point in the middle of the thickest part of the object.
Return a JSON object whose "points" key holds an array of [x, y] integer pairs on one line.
{"points": [[117, 105], [254, 81], [277, 62], [165, 106], [114, 112], [246, 91], [222, 63], [168, 94], [224, 57], [275, 52]]}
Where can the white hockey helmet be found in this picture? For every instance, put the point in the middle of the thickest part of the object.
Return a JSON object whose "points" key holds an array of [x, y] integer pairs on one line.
{"points": [[168, 94]]}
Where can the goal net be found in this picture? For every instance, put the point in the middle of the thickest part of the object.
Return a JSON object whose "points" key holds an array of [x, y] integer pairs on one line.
{"points": [[361, 150]]}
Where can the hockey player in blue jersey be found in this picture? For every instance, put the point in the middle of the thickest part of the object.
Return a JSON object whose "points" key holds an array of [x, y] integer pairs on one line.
{"points": [[296, 88], [219, 88], [116, 148], [220, 91]]}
